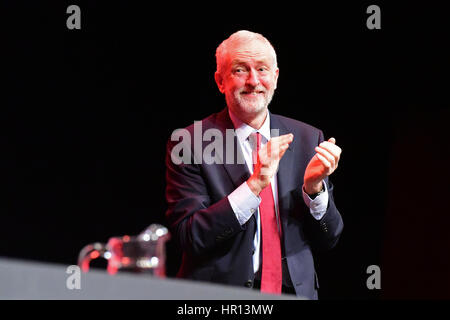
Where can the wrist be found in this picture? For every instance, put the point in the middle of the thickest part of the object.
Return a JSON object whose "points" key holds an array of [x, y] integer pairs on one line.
{"points": [[254, 186], [313, 188]]}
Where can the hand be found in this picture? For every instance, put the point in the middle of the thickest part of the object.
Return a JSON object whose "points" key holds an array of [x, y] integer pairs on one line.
{"points": [[269, 158], [324, 162]]}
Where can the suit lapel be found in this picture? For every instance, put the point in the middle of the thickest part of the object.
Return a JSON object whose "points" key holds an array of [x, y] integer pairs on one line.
{"points": [[238, 172], [285, 167]]}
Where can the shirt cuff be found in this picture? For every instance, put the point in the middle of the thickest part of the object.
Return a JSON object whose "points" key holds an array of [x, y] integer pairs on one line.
{"points": [[243, 202], [318, 206]]}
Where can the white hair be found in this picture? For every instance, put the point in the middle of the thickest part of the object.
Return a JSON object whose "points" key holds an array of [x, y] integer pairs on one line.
{"points": [[239, 37]]}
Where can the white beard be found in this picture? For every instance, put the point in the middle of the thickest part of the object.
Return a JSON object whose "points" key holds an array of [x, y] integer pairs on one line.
{"points": [[250, 105]]}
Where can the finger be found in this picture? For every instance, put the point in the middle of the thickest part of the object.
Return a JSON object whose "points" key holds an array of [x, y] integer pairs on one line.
{"points": [[331, 148], [272, 154], [331, 159], [283, 150], [275, 145], [263, 155], [286, 138], [324, 161], [277, 152], [332, 140], [290, 137]]}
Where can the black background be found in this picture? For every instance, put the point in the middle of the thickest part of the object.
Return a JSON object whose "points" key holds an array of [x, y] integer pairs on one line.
{"points": [[86, 114]]}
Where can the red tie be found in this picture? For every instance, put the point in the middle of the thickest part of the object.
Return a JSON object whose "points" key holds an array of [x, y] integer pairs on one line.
{"points": [[271, 277]]}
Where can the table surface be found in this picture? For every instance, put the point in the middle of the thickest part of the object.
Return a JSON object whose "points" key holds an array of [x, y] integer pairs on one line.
{"points": [[25, 280]]}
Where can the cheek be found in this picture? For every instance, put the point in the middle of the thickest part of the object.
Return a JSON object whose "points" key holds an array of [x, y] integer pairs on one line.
{"points": [[234, 84], [269, 84]]}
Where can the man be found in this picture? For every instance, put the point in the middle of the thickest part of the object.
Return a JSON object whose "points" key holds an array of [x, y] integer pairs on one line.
{"points": [[254, 223]]}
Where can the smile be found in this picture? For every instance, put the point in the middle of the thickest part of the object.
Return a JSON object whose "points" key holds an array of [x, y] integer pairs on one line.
{"points": [[253, 93]]}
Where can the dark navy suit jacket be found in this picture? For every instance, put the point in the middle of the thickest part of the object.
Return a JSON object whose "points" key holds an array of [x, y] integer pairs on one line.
{"points": [[215, 246]]}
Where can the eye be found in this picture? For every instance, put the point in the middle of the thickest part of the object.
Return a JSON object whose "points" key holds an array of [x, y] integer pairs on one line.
{"points": [[239, 71]]}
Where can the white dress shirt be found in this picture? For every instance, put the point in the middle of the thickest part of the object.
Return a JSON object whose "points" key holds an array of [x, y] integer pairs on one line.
{"points": [[245, 203]]}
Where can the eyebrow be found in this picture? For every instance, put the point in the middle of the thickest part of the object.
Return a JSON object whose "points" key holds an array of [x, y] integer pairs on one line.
{"points": [[239, 62]]}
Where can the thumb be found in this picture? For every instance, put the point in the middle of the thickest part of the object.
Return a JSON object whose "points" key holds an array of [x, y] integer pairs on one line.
{"points": [[332, 140]]}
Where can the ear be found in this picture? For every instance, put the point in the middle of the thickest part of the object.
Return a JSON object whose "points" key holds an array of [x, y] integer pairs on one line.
{"points": [[219, 81], [276, 77]]}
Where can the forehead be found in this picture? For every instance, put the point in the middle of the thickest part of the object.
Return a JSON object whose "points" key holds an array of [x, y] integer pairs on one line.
{"points": [[250, 51]]}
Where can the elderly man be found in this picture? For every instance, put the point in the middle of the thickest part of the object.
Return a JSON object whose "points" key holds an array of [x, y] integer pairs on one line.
{"points": [[254, 223]]}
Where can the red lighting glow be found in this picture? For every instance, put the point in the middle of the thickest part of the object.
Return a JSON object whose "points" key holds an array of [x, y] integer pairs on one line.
{"points": [[94, 254], [125, 261]]}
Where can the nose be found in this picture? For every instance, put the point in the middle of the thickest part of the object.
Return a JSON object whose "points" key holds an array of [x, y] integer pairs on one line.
{"points": [[253, 79]]}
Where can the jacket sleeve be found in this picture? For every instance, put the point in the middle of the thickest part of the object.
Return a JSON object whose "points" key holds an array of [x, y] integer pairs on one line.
{"points": [[326, 232], [197, 224]]}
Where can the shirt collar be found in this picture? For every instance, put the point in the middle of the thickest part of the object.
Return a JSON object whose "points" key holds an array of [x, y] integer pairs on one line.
{"points": [[243, 130]]}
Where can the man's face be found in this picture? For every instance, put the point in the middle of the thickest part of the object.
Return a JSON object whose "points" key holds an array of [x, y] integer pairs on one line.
{"points": [[248, 79]]}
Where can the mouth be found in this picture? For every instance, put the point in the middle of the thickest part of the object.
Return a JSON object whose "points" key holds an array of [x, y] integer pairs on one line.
{"points": [[252, 93]]}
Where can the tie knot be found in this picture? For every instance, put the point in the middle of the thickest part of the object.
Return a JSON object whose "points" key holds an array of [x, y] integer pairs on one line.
{"points": [[255, 139]]}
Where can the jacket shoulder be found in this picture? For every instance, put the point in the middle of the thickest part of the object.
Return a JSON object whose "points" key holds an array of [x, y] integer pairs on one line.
{"points": [[297, 125], [211, 121]]}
